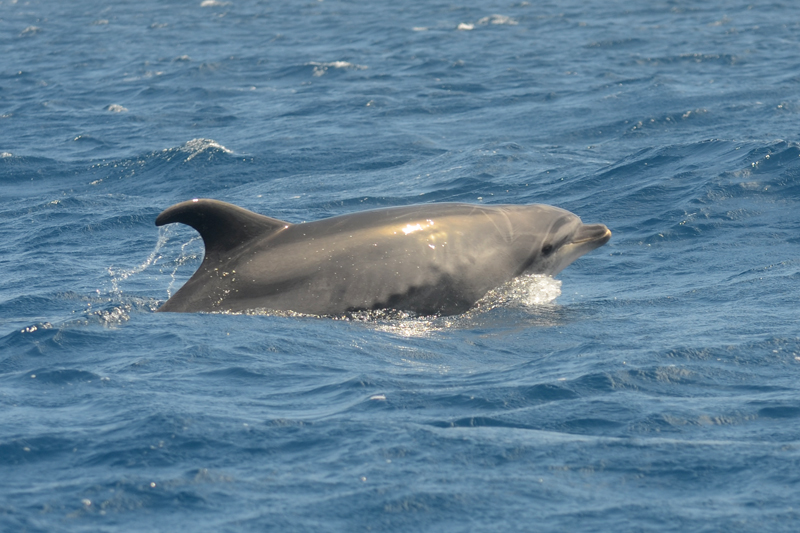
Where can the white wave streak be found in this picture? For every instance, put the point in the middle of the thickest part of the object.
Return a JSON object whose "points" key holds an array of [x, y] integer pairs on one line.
{"points": [[196, 147], [321, 68]]}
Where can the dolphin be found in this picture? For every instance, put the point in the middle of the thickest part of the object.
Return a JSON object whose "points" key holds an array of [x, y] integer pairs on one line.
{"points": [[436, 258]]}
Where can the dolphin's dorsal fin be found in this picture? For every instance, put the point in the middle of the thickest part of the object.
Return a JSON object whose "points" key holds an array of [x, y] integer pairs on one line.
{"points": [[222, 226]]}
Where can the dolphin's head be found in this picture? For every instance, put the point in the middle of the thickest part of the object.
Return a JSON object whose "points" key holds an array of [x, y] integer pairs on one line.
{"points": [[561, 240]]}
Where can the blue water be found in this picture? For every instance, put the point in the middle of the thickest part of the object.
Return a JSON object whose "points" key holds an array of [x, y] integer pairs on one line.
{"points": [[658, 392]]}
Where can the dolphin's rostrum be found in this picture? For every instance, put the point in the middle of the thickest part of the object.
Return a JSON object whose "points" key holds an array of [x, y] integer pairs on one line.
{"points": [[428, 258]]}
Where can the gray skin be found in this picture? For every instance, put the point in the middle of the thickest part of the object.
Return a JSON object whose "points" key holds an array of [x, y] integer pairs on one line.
{"points": [[429, 259]]}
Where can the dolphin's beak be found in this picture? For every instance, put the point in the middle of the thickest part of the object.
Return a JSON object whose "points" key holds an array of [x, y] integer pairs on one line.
{"points": [[596, 234], [587, 238]]}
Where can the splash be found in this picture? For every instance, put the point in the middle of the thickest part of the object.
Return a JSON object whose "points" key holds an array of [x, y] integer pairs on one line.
{"points": [[182, 259], [527, 290], [121, 275], [415, 326], [112, 317], [114, 307]]}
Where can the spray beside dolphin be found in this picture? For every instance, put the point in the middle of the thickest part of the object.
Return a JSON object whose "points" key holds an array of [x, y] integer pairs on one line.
{"points": [[428, 259]]}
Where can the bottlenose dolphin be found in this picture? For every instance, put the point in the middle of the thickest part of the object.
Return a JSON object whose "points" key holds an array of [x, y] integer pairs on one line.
{"points": [[429, 258]]}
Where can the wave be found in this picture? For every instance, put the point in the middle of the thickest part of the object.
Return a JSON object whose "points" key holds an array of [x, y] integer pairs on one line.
{"points": [[666, 200]]}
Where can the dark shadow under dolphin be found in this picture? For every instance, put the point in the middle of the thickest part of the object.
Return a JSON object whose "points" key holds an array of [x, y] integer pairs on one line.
{"points": [[428, 258]]}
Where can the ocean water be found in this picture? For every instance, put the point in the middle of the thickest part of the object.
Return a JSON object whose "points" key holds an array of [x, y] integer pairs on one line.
{"points": [[653, 386]]}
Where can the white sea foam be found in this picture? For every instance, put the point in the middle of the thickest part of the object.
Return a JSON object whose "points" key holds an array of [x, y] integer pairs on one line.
{"points": [[491, 19], [146, 75], [498, 19], [196, 147], [321, 68]]}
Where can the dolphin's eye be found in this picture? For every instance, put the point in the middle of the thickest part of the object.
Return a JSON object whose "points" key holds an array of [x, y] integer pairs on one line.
{"points": [[547, 249]]}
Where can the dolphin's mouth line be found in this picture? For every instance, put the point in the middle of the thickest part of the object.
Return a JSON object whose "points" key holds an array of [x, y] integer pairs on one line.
{"points": [[606, 236]]}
